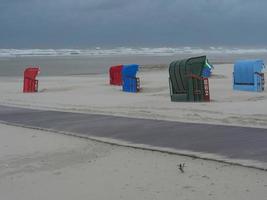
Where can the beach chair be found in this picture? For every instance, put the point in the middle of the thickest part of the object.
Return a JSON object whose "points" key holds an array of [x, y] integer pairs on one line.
{"points": [[30, 84], [186, 81], [248, 76], [115, 75], [130, 83]]}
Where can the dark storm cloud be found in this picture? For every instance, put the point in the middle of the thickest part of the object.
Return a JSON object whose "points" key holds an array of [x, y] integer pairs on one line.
{"points": [[85, 23]]}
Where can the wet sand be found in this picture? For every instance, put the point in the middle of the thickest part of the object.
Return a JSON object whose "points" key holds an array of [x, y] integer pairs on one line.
{"points": [[236, 145]]}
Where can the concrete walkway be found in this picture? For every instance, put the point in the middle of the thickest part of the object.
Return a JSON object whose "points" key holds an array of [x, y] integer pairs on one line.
{"points": [[226, 141]]}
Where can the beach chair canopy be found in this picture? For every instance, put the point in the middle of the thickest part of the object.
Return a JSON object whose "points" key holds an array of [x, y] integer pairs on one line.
{"points": [[207, 69], [30, 84], [130, 70], [186, 81], [130, 82], [31, 72], [115, 74], [248, 75]]}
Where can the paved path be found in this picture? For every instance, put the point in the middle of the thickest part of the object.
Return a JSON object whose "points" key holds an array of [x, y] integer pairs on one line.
{"points": [[231, 142]]}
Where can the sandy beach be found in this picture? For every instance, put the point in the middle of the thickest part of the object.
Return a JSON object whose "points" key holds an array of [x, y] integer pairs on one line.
{"points": [[38, 164], [42, 165], [93, 94]]}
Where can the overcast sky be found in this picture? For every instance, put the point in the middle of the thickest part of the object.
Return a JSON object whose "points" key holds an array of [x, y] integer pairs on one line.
{"points": [[90, 23]]}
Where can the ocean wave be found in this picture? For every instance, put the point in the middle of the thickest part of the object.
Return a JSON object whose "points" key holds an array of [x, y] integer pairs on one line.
{"points": [[120, 51]]}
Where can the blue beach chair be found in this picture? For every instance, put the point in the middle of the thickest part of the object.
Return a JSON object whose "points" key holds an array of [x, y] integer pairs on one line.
{"points": [[248, 76], [207, 69], [130, 83]]}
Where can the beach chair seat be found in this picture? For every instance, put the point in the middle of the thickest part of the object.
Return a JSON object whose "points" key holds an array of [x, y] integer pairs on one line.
{"points": [[130, 83], [115, 75], [186, 81], [248, 76], [30, 84]]}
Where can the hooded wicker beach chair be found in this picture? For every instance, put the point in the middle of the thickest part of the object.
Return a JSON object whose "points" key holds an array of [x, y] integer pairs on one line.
{"points": [[186, 81], [130, 83], [115, 75], [248, 76], [30, 84]]}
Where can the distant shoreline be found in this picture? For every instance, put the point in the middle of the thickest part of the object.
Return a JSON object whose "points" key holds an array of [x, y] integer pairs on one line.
{"points": [[90, 65]]}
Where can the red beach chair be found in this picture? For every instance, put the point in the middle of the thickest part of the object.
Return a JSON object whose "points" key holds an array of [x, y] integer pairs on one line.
{"points": [[30, 83], [115, 75]]}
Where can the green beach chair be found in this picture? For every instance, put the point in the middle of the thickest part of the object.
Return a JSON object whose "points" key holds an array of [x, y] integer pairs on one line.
{"points": [[186, 81]]}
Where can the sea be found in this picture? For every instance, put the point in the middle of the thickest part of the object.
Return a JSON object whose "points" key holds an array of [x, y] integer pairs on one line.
{"points": [[97, 60]]}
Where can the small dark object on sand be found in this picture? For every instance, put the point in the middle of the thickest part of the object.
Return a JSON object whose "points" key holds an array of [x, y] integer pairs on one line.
{"points": [[181, 167]]}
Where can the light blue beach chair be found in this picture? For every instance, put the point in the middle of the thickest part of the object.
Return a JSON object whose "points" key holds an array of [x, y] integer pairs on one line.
{"points": [[248, 76]]}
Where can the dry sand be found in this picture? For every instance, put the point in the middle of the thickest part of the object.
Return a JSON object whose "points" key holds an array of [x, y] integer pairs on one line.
{"points": [[42, 165], [93, 94]]}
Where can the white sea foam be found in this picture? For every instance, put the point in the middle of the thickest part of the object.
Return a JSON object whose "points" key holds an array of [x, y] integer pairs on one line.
{"points": [[120, 51]]}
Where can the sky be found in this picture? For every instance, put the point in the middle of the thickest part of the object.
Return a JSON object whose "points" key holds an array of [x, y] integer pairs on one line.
{"points": [[135, 23]]}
